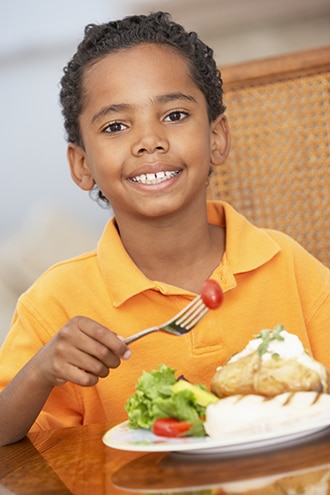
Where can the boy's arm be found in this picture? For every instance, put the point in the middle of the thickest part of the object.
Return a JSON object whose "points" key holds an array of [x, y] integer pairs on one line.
{"points": [[81, 352], [20, 403]]}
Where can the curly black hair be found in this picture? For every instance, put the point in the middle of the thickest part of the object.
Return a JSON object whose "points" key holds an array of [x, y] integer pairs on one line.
{"points": [[156, 28]]}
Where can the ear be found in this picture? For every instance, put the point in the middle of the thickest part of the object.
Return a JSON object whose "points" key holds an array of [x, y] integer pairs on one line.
{"points": [[79, 168], [220, 140]]}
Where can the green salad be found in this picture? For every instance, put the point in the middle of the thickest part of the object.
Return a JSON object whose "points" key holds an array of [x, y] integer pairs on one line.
{"points": [[161, 397]]}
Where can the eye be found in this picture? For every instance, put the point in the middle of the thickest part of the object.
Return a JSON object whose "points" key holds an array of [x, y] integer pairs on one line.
{"points": [[115, 127], [176, 116]]}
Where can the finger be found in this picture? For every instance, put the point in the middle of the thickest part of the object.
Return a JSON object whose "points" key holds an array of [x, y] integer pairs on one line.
{"points": [[127, 354], [105, 352], [74, 365], [78, 349], [103, 336], [80, 377], [94, 365], [92, 338]]}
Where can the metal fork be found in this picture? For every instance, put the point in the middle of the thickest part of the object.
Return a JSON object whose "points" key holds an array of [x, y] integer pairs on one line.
{"points": [[180, 324]]}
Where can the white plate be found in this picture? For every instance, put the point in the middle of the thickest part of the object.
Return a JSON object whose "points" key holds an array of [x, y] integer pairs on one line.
{"points": [[124, 438]]}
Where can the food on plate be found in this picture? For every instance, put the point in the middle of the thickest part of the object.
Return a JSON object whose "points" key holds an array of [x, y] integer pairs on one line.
{"points": [[246, 415], [271, 385], [272, 363], [170, 427], [159, 395]]}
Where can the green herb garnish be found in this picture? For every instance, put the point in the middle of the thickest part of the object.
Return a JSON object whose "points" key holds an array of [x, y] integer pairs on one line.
{"points": [[268, 336]]}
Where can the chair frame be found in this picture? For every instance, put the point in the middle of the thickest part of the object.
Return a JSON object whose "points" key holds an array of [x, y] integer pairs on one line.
{"points": [[297, 64]]}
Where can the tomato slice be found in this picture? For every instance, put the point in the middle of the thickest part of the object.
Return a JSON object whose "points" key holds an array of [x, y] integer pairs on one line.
{"points": [[170, 427], [211, 294]]}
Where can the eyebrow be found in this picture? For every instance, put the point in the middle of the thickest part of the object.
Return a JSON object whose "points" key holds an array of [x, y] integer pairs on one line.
{"points": [[174, 96], [110, 109], [120, 107]]}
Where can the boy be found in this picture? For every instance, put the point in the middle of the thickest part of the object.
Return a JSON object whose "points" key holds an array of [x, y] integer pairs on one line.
{"points": [[145, 122]]}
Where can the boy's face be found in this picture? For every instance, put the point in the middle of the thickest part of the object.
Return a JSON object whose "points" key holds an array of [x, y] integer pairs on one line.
{"points": [[148, 142]]}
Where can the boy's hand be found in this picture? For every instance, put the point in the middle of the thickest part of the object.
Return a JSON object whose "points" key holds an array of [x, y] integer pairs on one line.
{"points": [[81, 352]]}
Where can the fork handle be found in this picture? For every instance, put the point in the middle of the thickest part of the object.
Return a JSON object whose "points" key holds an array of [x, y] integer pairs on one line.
{"points": [[137, 336]]}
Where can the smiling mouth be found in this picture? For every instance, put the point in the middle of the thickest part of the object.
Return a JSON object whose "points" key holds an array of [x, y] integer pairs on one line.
{"points": [[155, 178]]}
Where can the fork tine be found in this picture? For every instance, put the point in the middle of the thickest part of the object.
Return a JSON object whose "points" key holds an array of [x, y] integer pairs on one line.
{"points": [[191, 312], [186, 308], [194, 319]]}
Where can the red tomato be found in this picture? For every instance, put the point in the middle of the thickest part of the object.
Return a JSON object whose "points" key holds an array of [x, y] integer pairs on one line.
{"points": [[170, 427], [212, 294]]}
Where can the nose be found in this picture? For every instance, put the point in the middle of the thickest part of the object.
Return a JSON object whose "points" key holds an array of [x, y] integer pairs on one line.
{"points": [[150, 139]]}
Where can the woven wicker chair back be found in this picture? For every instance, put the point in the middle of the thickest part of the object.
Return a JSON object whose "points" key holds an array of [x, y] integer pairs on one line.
{"points": [[278, 171]]}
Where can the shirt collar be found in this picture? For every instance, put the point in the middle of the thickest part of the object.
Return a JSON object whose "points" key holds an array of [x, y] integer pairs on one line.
{"points": [[247, 247], [122, 277]]}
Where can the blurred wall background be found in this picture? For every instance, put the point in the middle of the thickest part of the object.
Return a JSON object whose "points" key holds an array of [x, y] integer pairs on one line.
{"points": [[44, 217], [37, 38]]}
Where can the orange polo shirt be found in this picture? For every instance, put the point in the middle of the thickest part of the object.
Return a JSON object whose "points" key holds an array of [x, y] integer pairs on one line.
{"points": [[267, 279]]}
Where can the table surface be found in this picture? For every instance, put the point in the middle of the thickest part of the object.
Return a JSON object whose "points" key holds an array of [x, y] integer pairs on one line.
{"points": [[75, 461]]}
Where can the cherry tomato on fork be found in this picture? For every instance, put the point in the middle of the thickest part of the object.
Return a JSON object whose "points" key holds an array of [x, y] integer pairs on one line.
{"points": [[211, 294], [170, 427]]}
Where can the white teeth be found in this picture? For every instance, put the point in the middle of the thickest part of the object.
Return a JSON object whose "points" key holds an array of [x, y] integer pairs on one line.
{"points": [[154, 178]]}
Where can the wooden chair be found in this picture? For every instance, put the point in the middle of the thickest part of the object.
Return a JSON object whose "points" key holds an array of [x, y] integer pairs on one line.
{"points": [[278, 171]]}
